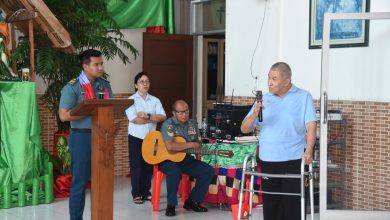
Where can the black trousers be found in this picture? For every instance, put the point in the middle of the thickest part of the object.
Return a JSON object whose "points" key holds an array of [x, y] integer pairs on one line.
{"points": [[202, 172], [281, 207], [140, 171]]}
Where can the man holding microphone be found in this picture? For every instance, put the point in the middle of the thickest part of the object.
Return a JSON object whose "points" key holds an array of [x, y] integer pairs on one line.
{"points": [[287, 134]]}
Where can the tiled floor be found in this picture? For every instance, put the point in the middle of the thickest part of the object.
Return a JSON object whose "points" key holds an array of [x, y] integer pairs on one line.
{"points": [[124, 209]]}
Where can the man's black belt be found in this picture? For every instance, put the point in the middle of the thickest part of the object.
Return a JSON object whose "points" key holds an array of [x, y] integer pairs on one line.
{"points": [[82, 130]]}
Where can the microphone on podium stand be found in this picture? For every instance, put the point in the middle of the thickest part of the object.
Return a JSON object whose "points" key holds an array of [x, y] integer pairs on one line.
{"points": [[100, 92], [259, 99]]}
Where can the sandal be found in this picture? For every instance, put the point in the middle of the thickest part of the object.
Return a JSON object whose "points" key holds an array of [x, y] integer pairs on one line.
{"points": [[138, 200], [147, 198]]}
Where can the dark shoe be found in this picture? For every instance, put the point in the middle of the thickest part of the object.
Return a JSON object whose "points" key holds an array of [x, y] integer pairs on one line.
{"points": [[147, 198], [138, 200], [191, 204], [170, 211]]}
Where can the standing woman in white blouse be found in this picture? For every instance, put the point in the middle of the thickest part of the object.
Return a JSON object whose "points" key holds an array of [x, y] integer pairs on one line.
{"points": [[143, 117]]}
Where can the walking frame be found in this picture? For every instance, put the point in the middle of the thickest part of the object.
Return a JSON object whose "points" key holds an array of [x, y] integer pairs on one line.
{"points": [[249, 171]]}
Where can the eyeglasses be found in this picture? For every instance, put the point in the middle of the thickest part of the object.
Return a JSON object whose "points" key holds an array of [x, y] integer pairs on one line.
{"points": [[181, 113], [144, 82]]}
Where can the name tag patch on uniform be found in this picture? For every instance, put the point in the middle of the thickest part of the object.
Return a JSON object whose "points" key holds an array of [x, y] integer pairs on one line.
{"points": [[191, 131]]}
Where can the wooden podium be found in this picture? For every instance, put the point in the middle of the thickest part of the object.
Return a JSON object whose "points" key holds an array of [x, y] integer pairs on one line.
{"points": [[102, 158]]}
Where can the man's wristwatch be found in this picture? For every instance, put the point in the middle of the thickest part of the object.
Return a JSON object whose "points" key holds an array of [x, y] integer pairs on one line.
{"points": [[149, 115]]}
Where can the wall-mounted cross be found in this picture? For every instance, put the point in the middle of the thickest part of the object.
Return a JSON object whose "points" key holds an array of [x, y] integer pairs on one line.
{"points": [[221, 11]]}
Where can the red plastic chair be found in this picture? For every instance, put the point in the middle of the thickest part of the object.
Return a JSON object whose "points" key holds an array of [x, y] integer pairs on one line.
{"points": [[158, 177]]}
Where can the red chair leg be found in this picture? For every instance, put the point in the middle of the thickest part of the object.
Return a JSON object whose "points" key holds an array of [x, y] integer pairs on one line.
{"points": [[158, 177], [246, 195], [184, 187]]}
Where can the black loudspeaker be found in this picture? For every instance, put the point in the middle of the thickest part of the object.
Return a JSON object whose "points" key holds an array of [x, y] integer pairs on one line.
{"points": [[224, 121]]}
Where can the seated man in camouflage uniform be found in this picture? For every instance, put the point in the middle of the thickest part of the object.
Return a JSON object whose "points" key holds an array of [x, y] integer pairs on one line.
{"points": [[180, 125]]}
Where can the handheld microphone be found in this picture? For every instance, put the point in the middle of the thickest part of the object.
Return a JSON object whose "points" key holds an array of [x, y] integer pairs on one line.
{"points": [[100, 92], [259, 99]]}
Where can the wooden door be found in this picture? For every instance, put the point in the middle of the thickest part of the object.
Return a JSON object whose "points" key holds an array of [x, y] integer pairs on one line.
{"points": [[168, 59]]}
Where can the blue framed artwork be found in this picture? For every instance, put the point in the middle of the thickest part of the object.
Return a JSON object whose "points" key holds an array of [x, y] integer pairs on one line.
{"points": [[343, 33]]}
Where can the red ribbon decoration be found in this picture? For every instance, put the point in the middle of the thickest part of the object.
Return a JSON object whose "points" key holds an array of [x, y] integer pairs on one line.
{"points": [[62, 186]]}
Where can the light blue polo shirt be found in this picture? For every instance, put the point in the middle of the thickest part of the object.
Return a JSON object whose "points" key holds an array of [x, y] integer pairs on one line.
{"points": [[151, 105], [283, 130]]}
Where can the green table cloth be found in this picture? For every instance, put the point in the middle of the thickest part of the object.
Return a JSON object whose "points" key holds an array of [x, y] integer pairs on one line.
{"points": [[240, 150], [21, 156]]}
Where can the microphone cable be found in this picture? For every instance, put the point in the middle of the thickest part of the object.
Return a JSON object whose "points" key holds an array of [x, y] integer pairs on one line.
{"points": [[258, 38]]}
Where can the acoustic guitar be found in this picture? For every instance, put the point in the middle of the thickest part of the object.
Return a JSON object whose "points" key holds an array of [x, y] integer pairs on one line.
{"points": [[154, 150]]}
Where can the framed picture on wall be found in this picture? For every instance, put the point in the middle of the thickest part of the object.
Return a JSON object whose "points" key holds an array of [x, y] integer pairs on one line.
{"points": [[343, 33]]}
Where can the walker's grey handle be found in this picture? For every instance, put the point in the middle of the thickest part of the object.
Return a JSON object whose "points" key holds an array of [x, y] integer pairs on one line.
{"points": [[325, 108]]}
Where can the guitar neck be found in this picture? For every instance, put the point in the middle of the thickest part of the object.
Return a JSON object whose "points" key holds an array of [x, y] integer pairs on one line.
{"points": [[200, 151]]}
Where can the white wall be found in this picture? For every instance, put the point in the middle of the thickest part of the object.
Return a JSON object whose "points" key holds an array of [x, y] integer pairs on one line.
{"points": [[243, 22], [357, 73], [40, 85], [121, 76]]}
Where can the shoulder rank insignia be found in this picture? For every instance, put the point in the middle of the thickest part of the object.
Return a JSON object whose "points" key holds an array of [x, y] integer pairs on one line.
{"points": [[73, 81]]}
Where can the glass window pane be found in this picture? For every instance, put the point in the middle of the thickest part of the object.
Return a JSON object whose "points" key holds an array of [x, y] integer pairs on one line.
{"points": [[212, 70]]}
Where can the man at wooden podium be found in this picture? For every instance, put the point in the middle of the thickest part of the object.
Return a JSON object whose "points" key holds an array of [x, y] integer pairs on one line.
{"points": [[88, 85]]}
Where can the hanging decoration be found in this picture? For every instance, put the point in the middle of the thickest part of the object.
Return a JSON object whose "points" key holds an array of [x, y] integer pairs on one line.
{"points": [[142, 14]]}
